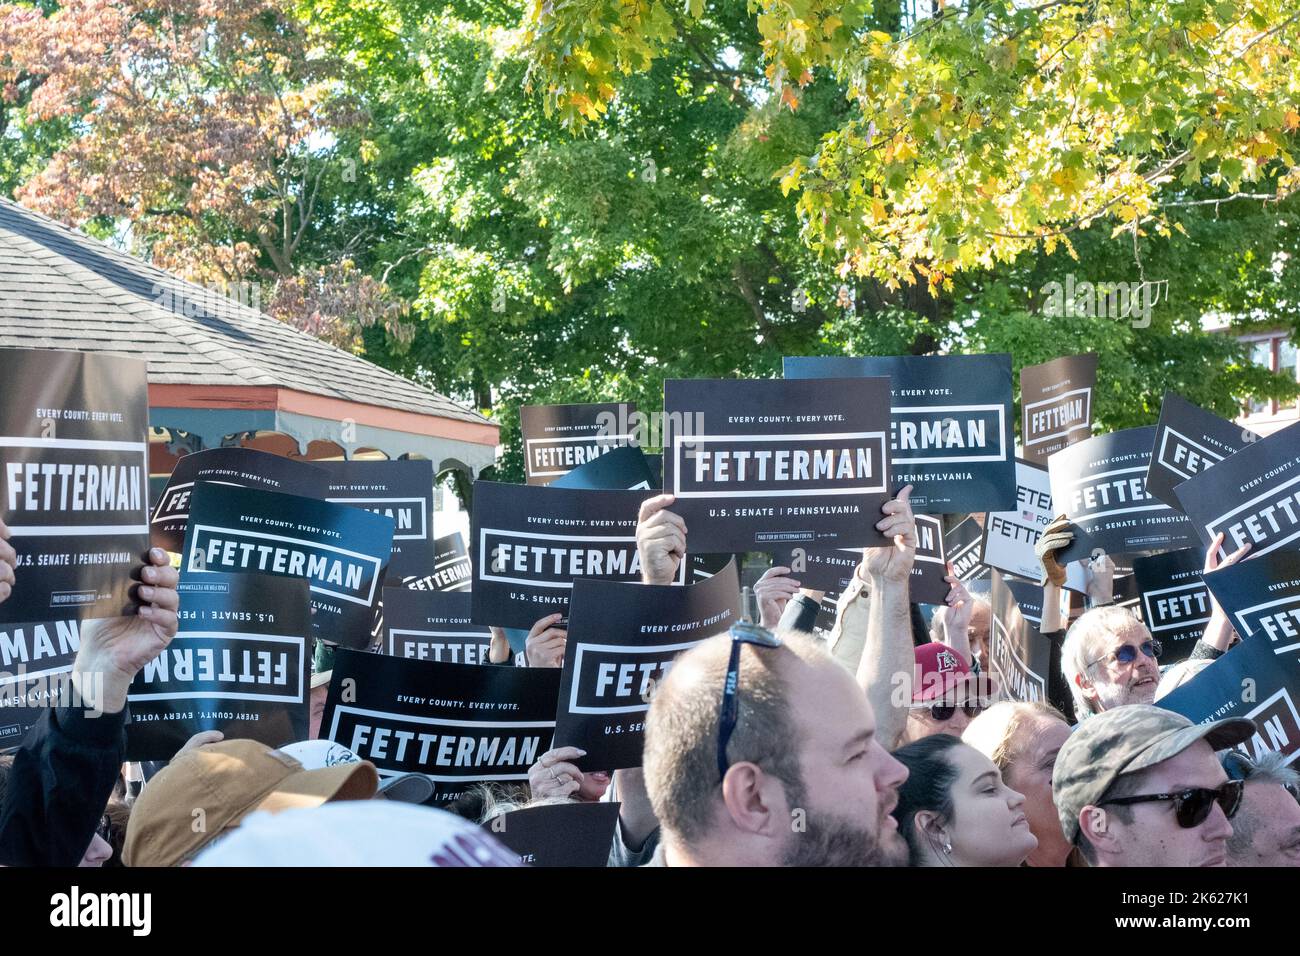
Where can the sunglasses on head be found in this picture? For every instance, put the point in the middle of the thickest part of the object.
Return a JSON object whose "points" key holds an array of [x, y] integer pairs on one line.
{"points": [[942, 712], [1129, 652], [742, 632], [1193, 806]]}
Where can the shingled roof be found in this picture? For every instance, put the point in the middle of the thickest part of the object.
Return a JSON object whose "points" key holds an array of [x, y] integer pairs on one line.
{"points": [[60, 289]]}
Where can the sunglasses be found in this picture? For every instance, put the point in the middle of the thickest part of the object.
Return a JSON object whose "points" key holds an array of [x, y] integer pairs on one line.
{"points": [[1193, 806], [1128, 653], [942, 712], [741, 633]]}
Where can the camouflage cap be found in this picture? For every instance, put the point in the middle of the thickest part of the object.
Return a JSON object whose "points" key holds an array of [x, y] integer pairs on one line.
{"points": [[1124, 740]]}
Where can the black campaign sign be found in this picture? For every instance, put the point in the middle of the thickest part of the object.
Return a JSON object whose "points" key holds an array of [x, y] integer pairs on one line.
{"points": [[950, 425], [1261, 597], [1189, 441], [433, 626], [74, 485], [35, 665], [401, 490], [766, 463], [341, 551], [962, 546], [242, 467], [1101, 485], [1174, 601], [530, 544], [559, 834], [240, 663], [459, 724], [1260, 677], [560, 438], [1020, 655], [1056, 404], [927, 584], [620, 469], [820, 569], [623, 639], [1252, 680], [1252, 497], [452, 568]]}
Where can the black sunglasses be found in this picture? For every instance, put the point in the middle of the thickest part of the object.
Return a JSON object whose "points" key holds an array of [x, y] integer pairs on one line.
{"points": [[942, 712], [1193, 806], [741, 633], [1129, 652]]}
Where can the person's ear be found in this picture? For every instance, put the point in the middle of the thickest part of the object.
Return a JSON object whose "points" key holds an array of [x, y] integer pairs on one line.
{"points": [[1085, 685], [1096, 825], [750, 797], [929, 827]]}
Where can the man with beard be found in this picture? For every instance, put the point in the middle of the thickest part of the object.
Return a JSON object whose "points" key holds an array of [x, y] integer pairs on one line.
{"points": [[762, 750], [802, 779]]}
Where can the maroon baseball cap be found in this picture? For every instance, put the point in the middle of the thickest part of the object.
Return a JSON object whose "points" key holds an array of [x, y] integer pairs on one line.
{"points": [[943, 674]]}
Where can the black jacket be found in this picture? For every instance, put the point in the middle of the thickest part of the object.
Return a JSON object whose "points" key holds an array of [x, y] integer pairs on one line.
{"points": [[59, 785]]}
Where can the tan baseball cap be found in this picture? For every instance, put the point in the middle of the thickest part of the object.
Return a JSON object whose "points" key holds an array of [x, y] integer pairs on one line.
{"points": [[207, 791]]}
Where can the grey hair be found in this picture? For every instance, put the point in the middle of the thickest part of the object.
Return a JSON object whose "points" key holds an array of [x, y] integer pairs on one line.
{"points": [[1270, 768], [1081, 646]]}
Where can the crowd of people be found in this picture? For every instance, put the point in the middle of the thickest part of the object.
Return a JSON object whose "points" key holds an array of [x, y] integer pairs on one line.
{"points": [[769, 746]]}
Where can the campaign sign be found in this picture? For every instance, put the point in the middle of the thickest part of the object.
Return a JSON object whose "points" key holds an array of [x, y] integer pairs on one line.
{"points": [[459, 724], [1174, 601], [1189, 440], [240, 663], [241, 467], [74, 481], [560, 438], [623, 639], [768, 463], [1009, 536], [1252, 497], [1261, 597], [433, 626], [1056, 404], [828, 611], [1020, 656], [620, 469], [705, 566], [1254, 679], [35, 668], [532, 543], [962, 546], [399, 489], [819, 569], [927, 585], [452, 568], [1101, 485], [950, 425], [1029, 598], [559, 834], [341, 551]]}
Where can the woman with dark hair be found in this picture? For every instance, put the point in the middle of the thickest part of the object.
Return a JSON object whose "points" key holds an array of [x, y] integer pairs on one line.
{"points": [[954, 809]]}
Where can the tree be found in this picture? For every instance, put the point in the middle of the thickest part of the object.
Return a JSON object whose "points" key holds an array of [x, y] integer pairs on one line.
{"points": [[988, 128], [207, 128]]}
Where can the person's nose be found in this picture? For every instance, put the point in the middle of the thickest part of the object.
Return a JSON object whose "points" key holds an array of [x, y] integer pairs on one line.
{"points": [[1218, 826], [892, 773], [958, 723], [1015, 799]]}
